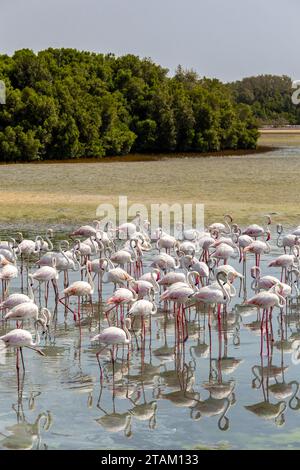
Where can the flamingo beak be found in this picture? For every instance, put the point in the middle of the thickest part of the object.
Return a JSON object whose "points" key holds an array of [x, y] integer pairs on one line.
{"points": [[39, 351]]}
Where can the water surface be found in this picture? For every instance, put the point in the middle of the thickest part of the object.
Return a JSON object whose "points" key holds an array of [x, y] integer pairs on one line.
{"points": [[162, 401]]}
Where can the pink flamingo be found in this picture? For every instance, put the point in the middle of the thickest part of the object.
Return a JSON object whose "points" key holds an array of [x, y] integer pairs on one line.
{"points": [[243, 241], [218, 293], [266, 300], [223, 251], [284, 262], [288, 241], [19, 339], [255, 230], [154, 274], [3, 261], [262, 282], [121, 296], [205, 243], [15, 299], [8, 272], [115, 275], [113, 336], [79, 289], [258, 247], [85, 231], [165, 262], [222, 228], [143, 308], [143, 287], [25, 248], [44, 275], [28, 311], [179, 293]]}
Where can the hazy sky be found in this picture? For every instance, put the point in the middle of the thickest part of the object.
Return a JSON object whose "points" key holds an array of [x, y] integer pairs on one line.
{"points": [[227, 39]]}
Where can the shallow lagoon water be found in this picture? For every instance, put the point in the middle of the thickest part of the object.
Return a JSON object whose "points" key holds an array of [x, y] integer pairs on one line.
{"points": [[161, 402]]}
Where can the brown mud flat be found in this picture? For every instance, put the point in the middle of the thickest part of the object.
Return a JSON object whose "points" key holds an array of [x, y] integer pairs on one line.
{"points": [[153, 157]]}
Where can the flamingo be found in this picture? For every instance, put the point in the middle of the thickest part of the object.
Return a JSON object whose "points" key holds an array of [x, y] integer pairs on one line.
{"points": [[7, 273], [223, 251], [171, 278], [259, 247], [205, 242], [227, 269], [115, 275], [255, 230], [85, 231], [123, 257], [143, 308], [187, 247], [218, 293], [26, 248], [149, 276], [187, 234], [7, 255], [167, 242], [20, 339], [201, 268], [165, 262], [264, 282], [288, 241], [44, 275], [15, 299], [179, 293], [113, 336], [3, 261], [143, 287], [79, 289], [285, 262], [266, 300], [46, 244], [121, 296], [222, 228], [27, 311], [128, 229]]}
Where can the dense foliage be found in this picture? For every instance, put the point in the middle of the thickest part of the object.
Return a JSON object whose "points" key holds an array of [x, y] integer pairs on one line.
{"points": [[269, 97], [62, 103]]}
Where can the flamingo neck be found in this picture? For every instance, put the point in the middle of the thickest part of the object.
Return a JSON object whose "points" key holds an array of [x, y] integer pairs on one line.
{"points": [[128, 335]]}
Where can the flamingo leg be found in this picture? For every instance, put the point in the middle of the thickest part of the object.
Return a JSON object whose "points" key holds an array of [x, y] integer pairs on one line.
{"points": [[267, 331], [262, 333], [22, 358], [67, 307], [100, 367]]}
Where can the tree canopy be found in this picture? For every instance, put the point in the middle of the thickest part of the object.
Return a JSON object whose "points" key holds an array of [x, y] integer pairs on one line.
{"points": [[64, 103], [269, 97]]}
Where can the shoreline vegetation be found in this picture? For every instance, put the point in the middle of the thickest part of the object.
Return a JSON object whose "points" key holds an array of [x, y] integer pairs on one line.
{"points": [[70, 104], [65, 104]]}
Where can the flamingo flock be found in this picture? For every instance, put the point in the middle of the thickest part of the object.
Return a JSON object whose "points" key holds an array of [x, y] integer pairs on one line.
{"points": [[148, 272]]}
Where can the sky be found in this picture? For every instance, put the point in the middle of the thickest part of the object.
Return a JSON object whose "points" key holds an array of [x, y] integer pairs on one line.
{"points": [[226, 39]]}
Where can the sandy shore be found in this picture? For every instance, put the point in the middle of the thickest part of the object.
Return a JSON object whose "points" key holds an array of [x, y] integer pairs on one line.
{"points": [[70, 193]]}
